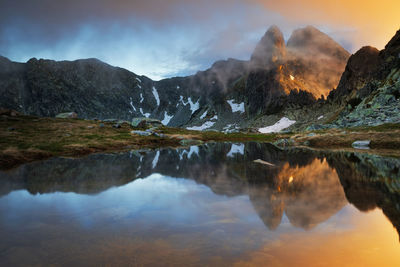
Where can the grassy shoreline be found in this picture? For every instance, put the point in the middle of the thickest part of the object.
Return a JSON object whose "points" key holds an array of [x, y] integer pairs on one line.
{"points": [[26, 138]]}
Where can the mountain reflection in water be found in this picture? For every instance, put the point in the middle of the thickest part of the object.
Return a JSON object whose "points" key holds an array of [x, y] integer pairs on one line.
{"points": [[206, 215]]}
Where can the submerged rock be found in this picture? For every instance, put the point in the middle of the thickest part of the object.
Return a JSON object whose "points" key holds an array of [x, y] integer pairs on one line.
{"points": [[364, 144]]}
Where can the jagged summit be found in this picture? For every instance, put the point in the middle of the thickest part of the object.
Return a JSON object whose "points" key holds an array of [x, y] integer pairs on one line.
{"points": [[270, 49], [311, 41]]}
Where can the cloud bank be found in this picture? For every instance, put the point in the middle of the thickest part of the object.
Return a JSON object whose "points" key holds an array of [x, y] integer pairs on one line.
{"points": [[162, 38]]}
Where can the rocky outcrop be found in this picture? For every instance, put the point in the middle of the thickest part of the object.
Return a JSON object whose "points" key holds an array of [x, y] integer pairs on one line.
{"points": [[294, 75], [369, 90], [360, 69]]}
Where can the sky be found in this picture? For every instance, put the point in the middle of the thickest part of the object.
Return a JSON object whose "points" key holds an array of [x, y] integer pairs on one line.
{"points": [[166, 38]]}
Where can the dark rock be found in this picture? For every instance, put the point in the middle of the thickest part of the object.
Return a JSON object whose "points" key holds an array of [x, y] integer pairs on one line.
{"points": [[284, 143], [117, 125], [145, 123], [142, 133]]}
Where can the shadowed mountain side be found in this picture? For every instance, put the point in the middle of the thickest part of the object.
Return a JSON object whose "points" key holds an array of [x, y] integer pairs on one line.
{"points": [[233, 91]]}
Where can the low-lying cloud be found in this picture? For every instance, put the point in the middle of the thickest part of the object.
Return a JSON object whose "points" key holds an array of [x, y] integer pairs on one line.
{"points": [[162, 38]]}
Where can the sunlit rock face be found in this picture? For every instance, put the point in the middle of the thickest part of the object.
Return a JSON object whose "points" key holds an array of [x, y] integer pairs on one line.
{"points": [[308, 68]]}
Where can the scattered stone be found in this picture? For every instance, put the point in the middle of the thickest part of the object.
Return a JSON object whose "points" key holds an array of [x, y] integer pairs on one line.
{"points": [[117, 125], [160, 135], [311, 134], [361, 144], [314, 127], [90, 127], [284, 142], [10, 129], [101, 125], [142, 133], [145, 123], [306, 143], [67, 115], [110, 120]]}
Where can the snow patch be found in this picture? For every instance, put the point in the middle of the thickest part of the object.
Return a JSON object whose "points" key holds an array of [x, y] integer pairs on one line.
{"points": [[291, 77], [231, 128], [236, 107], [133, 107], [155, 160], [206, 125], [156, 96], [144, 114], [203, 115], [139, 80], [193, 106], [166, 119], [283, 123], [141, 98], [320, 117], [236, 149], [178, 87]]}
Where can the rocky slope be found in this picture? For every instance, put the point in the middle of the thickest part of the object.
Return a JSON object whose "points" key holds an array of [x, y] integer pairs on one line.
{"points": [[227, 96], [369, 90], [368, 94]]}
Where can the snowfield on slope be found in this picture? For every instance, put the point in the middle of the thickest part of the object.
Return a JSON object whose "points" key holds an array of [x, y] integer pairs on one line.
{"points": [[236, 107], [283, 123]]}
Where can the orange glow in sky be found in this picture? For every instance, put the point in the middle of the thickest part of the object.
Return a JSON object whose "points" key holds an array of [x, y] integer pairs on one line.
{"points": [[369, 22]]}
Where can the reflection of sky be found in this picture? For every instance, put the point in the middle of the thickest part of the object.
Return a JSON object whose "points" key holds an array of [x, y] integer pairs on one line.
{"points": [[176, 210]]}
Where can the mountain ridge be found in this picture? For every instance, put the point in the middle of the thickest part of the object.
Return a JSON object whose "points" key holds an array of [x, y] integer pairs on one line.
{"points": [[230, 93]]}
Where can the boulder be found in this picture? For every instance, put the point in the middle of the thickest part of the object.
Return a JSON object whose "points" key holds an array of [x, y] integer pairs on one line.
{"points": [[142, 133], [146, 123], [67, 115], [361, 144]]}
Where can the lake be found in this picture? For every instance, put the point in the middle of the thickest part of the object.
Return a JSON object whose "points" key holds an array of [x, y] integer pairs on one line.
{"points": [[219, 204]]}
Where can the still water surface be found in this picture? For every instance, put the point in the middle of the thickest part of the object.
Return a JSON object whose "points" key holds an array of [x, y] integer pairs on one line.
{"points": [[207, 205]]}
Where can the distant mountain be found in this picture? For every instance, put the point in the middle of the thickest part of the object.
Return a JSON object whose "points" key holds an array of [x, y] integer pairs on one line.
{"points": [[226, 96]]}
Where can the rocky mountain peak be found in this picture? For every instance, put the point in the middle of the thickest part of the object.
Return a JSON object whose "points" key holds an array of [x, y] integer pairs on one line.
{"points": [[270, 49], [394, 42], [311, 41]]}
